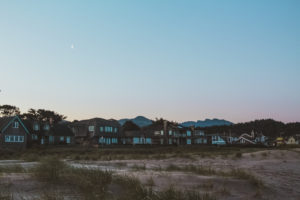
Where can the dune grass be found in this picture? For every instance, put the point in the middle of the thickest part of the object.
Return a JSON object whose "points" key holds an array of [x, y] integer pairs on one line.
{"points": [[96, 184], [5, 193], [12, 169], [208, 171], [123, 152]]}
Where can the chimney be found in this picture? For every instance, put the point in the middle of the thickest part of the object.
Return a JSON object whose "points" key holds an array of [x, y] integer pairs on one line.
{"points": [[165, 131], [51, 121]]}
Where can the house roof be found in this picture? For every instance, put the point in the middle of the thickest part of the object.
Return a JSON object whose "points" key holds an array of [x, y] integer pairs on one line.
{"points": [[4, 121], [97, 121], [60, 130], [138, 133], [246, 136], [159, 125], [246, 139]]}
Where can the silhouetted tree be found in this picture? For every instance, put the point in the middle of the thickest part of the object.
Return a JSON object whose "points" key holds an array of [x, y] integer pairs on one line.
{"points": [[9, 110], [43, 115]]}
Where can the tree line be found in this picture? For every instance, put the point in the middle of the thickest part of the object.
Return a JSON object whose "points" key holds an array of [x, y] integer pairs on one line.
{"points": [[31, 114], [268, 127]]}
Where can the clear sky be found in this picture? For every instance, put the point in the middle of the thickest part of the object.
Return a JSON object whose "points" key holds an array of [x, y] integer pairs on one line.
{"points": [[180, 60]]}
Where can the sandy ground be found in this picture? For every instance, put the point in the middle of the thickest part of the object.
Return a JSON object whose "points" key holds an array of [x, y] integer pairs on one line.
{"points": [[278, 169]]}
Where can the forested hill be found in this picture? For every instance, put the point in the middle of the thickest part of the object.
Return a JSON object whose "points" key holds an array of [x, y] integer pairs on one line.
{"points": [[268, 127]]}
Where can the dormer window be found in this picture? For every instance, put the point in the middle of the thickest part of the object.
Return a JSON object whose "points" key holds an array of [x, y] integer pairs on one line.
{"points": [[46, 127], [16, 124]]}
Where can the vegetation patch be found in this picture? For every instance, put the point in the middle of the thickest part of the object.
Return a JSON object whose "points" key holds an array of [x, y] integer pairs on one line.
{"points": [[122, 153], [208, 171], [12, 169], [5, 193], [134, 190]]}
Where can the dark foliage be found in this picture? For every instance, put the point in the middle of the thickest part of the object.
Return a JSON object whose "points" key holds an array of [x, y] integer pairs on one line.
{"points": [[9, 110], [268, 127], [43, 115]]}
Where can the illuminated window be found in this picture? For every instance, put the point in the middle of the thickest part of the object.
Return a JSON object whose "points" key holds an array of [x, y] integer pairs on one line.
{"points": [[16, 125]]}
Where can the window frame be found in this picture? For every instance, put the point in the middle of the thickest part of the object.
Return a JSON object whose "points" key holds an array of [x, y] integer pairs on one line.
{"points": [[16, 124]]}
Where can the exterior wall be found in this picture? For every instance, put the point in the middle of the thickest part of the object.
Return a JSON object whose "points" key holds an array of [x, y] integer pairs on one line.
{"points": [[80, 131], [291, 140], [108, 140], [10, 131], [200, 140], [104, 132], [217, 140]]}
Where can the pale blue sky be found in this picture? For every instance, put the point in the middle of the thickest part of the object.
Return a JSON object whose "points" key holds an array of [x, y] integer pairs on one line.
{"points": [[181, 60]]}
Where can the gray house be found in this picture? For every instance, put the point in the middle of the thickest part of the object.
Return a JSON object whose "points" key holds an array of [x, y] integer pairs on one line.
{"points": [[13, 133], [97, 131]]}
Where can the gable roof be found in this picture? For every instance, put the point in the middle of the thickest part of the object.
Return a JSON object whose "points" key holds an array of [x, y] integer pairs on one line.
{"points": [[97, 121], [60, 130], [6, 121], [246, 139]]}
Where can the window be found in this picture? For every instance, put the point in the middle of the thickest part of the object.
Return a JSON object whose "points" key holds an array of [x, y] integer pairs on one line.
{"points": [[46, 127], [148, 141], [68, 139], [162, 132], [214, 138], [188, 141], [108, 129], [101, 140], [188, 133], [136, 140], [161, 141], [51, 139], [114, 140], [62, 138], [91, 128], [36, 127], [108, 141], [14, 138], [16, 124], [101, 129], [170, 141], [34, 136], [198, 141], [116, 130], [170, 132]]}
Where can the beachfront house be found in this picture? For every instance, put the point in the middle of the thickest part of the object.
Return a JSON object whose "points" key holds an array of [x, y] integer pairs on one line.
{"points": [[13, 133]]}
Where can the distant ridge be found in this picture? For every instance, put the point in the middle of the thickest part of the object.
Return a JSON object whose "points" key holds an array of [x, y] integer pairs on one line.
{"points": [[207, 123], [141, 121]]}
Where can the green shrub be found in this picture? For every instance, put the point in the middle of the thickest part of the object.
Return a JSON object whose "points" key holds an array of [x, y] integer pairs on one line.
{"points": [[238, 155], [50, 169], [12, 169]]}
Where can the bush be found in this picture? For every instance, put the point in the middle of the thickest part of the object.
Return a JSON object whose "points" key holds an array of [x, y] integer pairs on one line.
{"points": [[238, 155], [50, 169]]}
